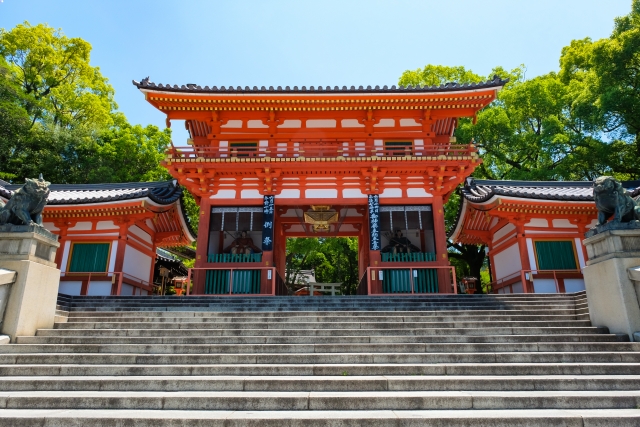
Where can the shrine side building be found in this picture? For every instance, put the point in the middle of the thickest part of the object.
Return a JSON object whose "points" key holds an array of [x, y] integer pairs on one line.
{"points": [[269, 163], [109, 233], [533, 231]]}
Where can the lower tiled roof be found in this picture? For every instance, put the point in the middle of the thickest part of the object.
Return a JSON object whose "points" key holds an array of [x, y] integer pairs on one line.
{"points": [[163, 192], [479, 191]]}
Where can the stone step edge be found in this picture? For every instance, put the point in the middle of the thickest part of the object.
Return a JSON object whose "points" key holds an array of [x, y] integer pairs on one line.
{"points": [[322, 400], [376, 418]]}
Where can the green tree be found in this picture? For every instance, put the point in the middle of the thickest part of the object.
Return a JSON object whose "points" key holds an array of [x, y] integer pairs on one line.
{"points": [[609, 73], [14, 121], [59, 84]]}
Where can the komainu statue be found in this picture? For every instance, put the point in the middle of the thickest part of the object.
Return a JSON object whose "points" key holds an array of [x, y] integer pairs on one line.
{"points": [[613, 200], [26, 205]]}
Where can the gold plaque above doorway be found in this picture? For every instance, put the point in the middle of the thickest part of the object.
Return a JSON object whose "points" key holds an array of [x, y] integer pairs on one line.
{"points": [[320, 217]]}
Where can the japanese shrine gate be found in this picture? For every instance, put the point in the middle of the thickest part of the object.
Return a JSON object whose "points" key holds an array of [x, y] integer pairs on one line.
{"points": [[267, 164]]}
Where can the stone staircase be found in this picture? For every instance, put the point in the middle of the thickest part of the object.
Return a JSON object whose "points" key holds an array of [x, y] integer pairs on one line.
{"points": [[488, 360]]}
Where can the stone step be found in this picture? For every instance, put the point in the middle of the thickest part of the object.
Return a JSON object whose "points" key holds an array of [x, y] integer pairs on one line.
{"points": [[85, 337], [301, 314], [320, 400], [355, 366], [571, 326], [168, 358], [322, 302], [395, 298], [315, 418], [320, 383], [305, 319], [353, 332], [318, 348]]}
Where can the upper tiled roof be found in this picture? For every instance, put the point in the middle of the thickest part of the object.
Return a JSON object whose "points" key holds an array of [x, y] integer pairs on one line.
{"points": [[479, 191], [164, 192], [193, 88]]}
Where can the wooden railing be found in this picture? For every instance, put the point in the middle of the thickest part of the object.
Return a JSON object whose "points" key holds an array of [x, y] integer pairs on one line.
{"points": [[304, 150], [233, 281], [409, 280]]}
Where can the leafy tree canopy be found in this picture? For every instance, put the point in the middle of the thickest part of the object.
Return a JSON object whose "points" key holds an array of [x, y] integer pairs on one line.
{"points": [[58, 116], [59, 84]]}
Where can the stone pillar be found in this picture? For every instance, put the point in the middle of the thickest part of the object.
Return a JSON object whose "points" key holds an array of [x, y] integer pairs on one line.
{"points": [[611, 292], [29, 251]]}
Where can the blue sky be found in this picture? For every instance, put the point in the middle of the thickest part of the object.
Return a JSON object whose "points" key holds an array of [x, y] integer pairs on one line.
{"points": [[305, 42]]}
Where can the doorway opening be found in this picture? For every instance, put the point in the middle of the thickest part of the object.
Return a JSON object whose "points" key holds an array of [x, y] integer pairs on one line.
{"points": [[322, 265]]}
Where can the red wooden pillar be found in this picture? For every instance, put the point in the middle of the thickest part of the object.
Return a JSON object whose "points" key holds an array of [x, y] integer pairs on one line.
{"points": [[202, 248], [124, 224], [492, 264], [440, 235], [524, 252]]}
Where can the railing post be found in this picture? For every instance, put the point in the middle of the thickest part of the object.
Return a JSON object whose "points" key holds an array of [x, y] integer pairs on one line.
{"points": [[411, 278], [119, 288], [369, 280], [555, 279], [273, 281], [525, 285], [188, 281], [231, 281]]}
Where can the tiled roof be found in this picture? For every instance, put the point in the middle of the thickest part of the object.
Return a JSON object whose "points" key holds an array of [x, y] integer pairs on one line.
{"points": [[479, 191], [193, 88], [164, 192]]}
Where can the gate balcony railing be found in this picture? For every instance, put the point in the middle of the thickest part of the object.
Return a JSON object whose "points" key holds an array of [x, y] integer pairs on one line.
{"points": [[311, 150], [233, 281], [410, 280]]}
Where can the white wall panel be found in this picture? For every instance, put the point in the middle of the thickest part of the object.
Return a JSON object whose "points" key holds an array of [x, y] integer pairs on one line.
{"points": [[70, 288], [503, 232], [136, 263], [573, 285], [507, 262], [544, 286], [65, 256], [99, 288], [140, 233]]}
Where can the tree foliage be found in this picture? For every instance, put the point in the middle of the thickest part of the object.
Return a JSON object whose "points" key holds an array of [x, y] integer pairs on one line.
{"points": [[59, 84], [58, 117]]}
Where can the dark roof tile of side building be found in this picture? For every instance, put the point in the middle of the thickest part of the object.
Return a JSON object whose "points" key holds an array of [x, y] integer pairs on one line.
{"points": [[193, 88], [163, 192], [479, 191]]}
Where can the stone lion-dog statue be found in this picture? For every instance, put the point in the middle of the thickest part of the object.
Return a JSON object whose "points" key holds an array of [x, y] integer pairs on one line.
{"points": [[613, 200], [26, 205]]}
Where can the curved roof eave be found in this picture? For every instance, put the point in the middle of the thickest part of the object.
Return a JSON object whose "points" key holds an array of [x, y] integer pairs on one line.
{"points": [[146, 85], [459, 220]]}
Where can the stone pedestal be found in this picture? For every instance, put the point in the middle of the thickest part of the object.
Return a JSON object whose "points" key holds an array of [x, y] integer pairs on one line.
{"points": [[30, 252], [611, 293]]}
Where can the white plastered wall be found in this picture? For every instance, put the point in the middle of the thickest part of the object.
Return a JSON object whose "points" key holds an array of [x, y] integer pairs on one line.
{"points": [[507, 262], [136, 263]]}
